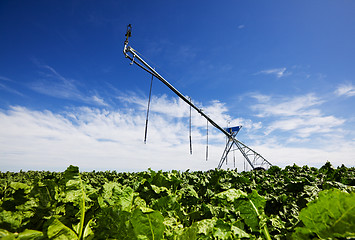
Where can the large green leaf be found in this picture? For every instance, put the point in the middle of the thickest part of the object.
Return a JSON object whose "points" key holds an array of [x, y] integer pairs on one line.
{"points": [[205, 226], [25, 235], [249, 208], [17, 206], [332, 215], [88, 233], [111, 223], [199, 229], [252, 211], [74, 189], [212, 229], [58, 231], [10, 220], [222, 230], [147, 225], [239, 233], [114, 195], [230, 195], [19, 185], [75, 193], [258, 201], [169, 206]]}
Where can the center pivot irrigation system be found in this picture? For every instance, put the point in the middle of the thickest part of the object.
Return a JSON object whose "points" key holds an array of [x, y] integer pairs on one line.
{"points": [[254, 159]]}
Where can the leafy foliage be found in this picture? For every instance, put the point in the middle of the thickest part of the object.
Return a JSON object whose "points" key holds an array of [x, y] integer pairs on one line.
{"points": [[332, 215], [294, 202]]}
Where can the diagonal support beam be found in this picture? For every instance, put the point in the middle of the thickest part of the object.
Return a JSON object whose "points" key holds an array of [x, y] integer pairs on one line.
{"points": [[134, 56]]}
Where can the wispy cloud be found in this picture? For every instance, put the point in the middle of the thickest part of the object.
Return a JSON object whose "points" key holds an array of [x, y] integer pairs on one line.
{"points": [[101, 139], [4, 85], [96, 138], [5, 79], [306, 126], [98, 100], [186, 53], [278, 72], [286, 106], [300, 116], [9, 89], [347, 90], [54, 84]]}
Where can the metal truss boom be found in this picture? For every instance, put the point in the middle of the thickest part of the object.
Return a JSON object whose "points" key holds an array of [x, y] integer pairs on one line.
{"points": [[134, 56]]}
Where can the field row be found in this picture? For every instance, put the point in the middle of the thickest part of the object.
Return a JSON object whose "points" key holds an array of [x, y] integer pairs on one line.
{"points": [[294, 202]]}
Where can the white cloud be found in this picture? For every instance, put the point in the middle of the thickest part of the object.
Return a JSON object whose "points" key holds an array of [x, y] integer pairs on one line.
{"points": [[347, 90], [278, 72], [101, 139], [99, 100], [177, 108], [300, 116], [260, 97], [7, 88], [53, 84], [5, 79], [296, 106], [185, 53], [306, 126], [96, 138]]}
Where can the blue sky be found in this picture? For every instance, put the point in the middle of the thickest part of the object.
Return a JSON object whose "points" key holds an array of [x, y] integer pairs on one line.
{"points": [[285, 70]]}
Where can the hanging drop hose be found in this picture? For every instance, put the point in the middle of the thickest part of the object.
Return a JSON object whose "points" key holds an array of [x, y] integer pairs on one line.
{"points": [[146, 120], [207, 142], [190, 130], [234, 155]]}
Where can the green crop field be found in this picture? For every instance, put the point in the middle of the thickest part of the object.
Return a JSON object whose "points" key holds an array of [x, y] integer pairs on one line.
{"points": [[290, 203]]}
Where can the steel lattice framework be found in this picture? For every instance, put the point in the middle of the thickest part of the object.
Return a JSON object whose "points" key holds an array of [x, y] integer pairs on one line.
{"points": [[254, 159]]}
